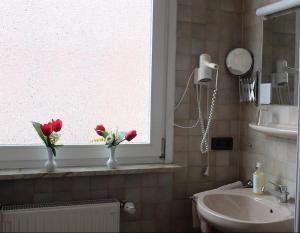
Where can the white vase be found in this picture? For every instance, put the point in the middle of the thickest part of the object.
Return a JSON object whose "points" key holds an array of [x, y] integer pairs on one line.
{"points": [[112, 163], [50, 164]]}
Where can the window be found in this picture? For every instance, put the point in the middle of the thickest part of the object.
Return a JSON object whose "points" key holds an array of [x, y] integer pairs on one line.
{"points": [[85, 62]]}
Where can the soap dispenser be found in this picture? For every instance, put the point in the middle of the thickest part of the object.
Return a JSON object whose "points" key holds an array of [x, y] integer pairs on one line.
{"points": [[258, 179]]}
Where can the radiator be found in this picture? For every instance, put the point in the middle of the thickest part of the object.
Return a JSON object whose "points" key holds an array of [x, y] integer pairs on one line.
{"points": [[63, 217]]}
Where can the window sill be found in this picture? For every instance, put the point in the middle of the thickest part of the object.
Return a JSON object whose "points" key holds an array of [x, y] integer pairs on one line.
{"points": [[16, 174]]}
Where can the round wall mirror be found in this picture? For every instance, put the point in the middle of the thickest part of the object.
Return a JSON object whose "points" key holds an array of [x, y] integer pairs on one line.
{"points": [[239, 62]]}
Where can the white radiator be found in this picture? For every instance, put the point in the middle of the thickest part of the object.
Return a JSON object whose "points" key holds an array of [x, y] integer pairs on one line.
{"points": [[72, 217]]}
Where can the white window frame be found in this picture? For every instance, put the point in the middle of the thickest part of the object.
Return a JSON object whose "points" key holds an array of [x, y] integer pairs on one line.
{"points": [[162, 102]]}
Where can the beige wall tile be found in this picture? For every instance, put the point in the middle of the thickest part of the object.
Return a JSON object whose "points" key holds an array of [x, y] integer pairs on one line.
{"points": [[222, 173], [231, 5], [180, 143], [183, 46], [182, 112], [195, 159], [184, 30], [184, 13], [214, 27], [277, 155], [198, 11], [181, 158], [183, 62], [222, 158]]}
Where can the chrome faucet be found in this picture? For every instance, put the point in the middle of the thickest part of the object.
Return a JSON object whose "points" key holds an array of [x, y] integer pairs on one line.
{"points": [[248, 184], [281, 194]]}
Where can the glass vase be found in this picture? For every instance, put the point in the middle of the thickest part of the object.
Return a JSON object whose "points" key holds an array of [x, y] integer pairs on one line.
{"points": [[112, 163], [50, 164]]}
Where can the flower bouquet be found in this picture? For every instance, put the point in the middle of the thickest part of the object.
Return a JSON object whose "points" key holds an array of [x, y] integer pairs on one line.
{"points": [[49, 135], [112, 140]]}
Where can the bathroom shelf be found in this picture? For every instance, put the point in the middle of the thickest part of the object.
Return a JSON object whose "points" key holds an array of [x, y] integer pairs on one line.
{"points": [[277, 130]]}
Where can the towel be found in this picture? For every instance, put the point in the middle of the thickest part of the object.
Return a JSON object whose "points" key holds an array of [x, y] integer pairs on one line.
{"points": [[195, 217], [198, 220], [234, 185]]}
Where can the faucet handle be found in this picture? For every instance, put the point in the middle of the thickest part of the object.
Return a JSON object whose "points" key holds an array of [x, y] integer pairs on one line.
{"points": [[282, 188], [248, 184]]}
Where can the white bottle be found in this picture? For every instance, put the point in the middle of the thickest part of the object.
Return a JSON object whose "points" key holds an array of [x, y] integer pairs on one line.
{"points": [[258, 180]]}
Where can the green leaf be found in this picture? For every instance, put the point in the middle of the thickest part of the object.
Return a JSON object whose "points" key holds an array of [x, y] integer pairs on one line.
{"points": [[37, 127], [122, 134], [117, 142], [48, 141], [105, 134], [53, 150], [109, 144], [120, 139]]}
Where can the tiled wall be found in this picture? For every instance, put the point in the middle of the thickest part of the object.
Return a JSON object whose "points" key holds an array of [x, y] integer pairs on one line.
{"points": [[212, 27], [162, 200], [152, 195], [277, 155]]}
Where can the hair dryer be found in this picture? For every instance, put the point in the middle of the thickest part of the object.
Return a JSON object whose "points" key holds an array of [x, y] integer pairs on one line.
{"points": [[281, 76], [201, 75], [204, 72]]}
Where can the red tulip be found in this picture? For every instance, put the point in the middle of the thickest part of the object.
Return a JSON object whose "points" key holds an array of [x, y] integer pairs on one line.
{"points": [[57, 125], [100, 130], [47, 129], [130, 135]]}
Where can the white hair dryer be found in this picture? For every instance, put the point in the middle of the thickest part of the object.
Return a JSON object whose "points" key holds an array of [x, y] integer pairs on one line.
{"points": [[202, 75], [281, 76], [204, 72]]}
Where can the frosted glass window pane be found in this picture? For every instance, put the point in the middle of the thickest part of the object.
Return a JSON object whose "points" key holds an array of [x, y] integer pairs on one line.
{"points": [[83, 61]]}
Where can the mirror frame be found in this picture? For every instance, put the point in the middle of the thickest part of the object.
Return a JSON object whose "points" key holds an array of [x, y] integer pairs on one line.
{"points": [[249, 72]]}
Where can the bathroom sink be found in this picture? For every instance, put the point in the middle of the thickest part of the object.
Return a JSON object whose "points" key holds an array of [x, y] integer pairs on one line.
{"points": [[240, 210]]}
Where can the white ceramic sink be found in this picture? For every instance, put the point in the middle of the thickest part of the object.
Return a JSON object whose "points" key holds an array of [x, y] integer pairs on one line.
{"points": [[239, 210], [278, 130]]}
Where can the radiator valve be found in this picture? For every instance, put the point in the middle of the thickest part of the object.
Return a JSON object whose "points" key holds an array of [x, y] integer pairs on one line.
{"points": [[128, 207]]}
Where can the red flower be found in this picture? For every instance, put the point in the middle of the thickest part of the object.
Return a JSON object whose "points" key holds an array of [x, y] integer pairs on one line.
{"points": [[100, 130], [57, 125], [130, 135], [47, 129]]}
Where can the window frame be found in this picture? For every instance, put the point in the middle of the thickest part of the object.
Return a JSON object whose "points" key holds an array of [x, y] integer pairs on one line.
{"points": [[161, 122]]}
